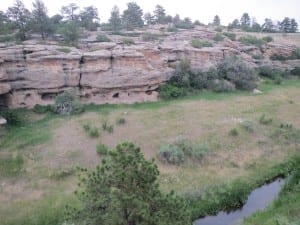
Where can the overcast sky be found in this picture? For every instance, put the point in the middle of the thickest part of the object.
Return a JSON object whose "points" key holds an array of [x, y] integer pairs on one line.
{"points": [[203, 10]]}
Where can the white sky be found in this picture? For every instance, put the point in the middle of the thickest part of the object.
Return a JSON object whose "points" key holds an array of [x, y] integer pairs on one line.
{"points": [[203, 10]]}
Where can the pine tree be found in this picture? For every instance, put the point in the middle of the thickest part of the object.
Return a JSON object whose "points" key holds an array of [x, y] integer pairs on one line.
{"points": [[124, 189], [294, 26], [132, 16], [245, 21], [285, 25], [69, 12], [159, 14], [216, 21], [268, 26], [20, 17], [149, 19], [40, 21], [115, 19], [89, 18]]}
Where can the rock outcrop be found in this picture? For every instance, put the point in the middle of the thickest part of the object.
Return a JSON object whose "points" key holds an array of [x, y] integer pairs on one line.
{"points": [[111, 72]]}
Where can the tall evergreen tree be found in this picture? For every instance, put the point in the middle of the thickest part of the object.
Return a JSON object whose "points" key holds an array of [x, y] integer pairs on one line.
{"points": [[268, 26], [149, 19], [245, 21], [20, 17], [216, 21], [176, 19], [115, 19], [89, 18], [69, 12], [285, 25], [235, 24], [132, 16], [160, 14], [124, 189], [294, 26], [40, 21]]}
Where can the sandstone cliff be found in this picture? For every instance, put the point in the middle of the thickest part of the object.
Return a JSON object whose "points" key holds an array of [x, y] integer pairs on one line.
{"points": [[113, 72]]}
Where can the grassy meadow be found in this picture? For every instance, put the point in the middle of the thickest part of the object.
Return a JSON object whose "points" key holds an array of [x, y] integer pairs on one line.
{"points": [[246, 134]]}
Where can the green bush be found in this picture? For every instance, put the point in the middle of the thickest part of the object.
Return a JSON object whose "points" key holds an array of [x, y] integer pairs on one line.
{"points": [[218, 37], [149, 37], [128, 41], [182, 149], [102, 149], [93, 132], [12, 117], [193, 150], [67, 103], [65, 50], [172, 29], [168, 91], [278, 57], [86, 127], [237, 72], [248, 126], [267, 39], [102, 38], [108, 127], [233, 132], [121, 121], [231, 36], [265, 121], [296, 54], [7, 38], [218, 29], [296, 71], [223, 86], [171, 154], [252, 40], [197, 43]]}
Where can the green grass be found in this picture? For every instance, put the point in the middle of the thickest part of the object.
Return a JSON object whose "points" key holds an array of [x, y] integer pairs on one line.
{"points": [[48, 210], [11, 166], [28, 135], [65, 50], [197, 43]]}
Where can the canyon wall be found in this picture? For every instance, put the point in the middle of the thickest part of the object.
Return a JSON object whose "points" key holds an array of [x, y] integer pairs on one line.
{"points": [[33, 73]]}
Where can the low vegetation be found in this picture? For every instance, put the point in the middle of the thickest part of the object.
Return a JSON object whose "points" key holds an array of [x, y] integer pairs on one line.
{"points": [[102, 38], [231, 74], [183, 150], [252, 40], [67, 103], [197, 43]]}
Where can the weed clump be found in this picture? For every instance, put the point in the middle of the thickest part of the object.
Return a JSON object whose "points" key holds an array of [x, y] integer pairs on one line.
{"points": [[197, 43], [265, 121], [121, 121], [248, 126], [93, 132], [108, 127], [102, 149], [233, 132], [181, 150]]}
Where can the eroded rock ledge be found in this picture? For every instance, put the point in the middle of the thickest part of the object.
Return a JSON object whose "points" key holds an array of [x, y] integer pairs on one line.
{"points": [[109, 72]]}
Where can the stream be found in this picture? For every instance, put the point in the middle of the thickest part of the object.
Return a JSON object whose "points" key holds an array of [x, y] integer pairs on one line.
{"points": [[258, 199]]}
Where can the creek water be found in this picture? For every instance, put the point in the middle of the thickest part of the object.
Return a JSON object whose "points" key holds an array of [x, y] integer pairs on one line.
{"points": [[259, 199]]}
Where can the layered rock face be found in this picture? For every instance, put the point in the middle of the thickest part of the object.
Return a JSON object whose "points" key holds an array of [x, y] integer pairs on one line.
{"points": [[33, 74]]}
